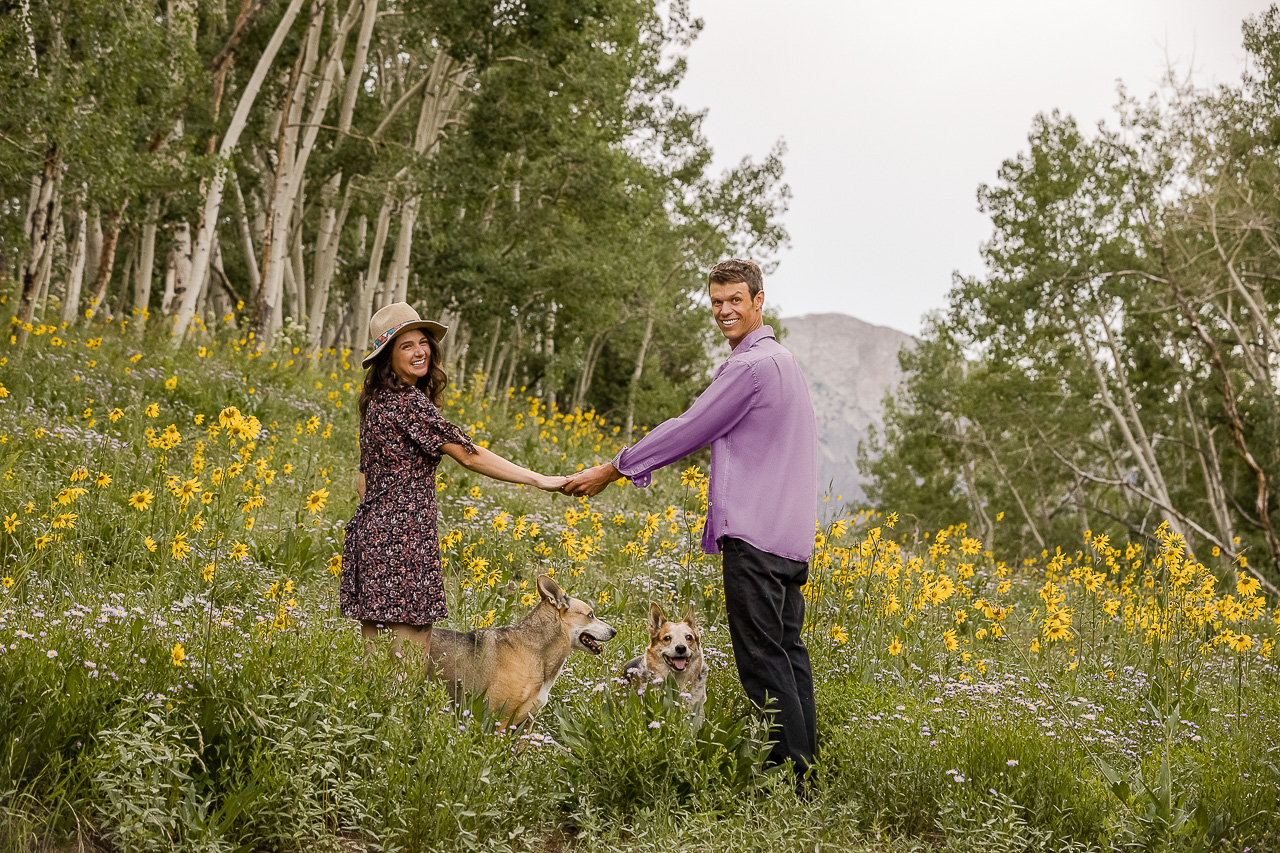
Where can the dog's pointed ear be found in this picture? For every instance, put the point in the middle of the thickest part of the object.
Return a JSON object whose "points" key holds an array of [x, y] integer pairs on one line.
{"points": [[691, 617], [552, 593], [656, 619]]}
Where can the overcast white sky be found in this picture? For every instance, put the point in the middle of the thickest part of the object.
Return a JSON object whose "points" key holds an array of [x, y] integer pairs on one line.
{"points": [[895, 112]]}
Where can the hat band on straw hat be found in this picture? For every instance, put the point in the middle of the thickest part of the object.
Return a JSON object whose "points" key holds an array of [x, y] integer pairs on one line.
{"points": [[390, 333]]}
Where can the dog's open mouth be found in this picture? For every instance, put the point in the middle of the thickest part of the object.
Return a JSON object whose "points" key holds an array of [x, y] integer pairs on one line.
{"points": [[589, 643], [678, 664]]}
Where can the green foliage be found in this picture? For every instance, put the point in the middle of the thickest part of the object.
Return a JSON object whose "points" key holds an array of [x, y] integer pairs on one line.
{"points": [[639, 750], [560, 204], [1106, 372], [911, 777]]}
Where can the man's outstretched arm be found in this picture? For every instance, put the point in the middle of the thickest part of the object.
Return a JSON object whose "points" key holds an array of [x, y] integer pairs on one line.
{"points": [[714, 413]]}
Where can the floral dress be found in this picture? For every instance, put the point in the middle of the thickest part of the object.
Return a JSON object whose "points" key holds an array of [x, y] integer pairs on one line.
{"points": [[391, 558]]}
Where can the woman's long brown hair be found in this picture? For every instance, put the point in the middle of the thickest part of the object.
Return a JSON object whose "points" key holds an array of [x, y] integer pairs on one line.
{"points": [[380, 377]]}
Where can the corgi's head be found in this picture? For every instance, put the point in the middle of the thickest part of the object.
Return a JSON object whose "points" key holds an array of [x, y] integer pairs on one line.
{"points": [[586, 632], [678, 644]]}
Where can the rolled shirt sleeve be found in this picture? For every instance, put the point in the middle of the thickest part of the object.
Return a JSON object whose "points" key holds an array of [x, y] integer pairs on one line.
{"points": [[716, 411]]}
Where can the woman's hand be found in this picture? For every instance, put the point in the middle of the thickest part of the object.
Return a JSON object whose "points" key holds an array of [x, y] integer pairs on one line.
{"points": [[551, 484]]}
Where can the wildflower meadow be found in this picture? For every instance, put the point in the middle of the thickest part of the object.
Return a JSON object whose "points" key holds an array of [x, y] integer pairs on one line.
{"points": [[175, 674]]}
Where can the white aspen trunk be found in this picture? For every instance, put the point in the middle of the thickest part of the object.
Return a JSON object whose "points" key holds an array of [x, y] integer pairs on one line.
{"points": [[1258, 369], [180, 20], [1122, 422], [331, 223], [121, 296], [439, 98], [397, 286], [75, 274], [290, 281], [1140, 432], [170, 277], [398, 272], [146, 265], [202, 305], [38, 233], [223, 301], [549, 349], [1245, 291], [343, 332], [223, 297], [93, 245], [268, 307], [635, 375], [487, 370], [507, 383], [246, 238], [294, 154], [328, 240], [178, 268], [462, 347], [57, 238], [448, 343], [213, 197], [589, 360], [1215, 492], [358, 61], [495, 376], [106, 264], [298, 269], [362, 309], [25, 7]]}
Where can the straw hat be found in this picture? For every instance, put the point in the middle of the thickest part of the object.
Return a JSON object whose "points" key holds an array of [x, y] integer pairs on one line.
{"points": [[390, 320]]}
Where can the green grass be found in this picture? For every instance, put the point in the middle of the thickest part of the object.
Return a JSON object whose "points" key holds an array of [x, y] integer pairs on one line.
{"points": [[269, 730]]}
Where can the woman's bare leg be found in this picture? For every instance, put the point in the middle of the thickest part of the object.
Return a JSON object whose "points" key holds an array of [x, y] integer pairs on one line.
{"points": [[420, 635], [369, 633]]}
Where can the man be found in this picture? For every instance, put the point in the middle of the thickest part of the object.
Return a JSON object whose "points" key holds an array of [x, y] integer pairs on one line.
{"points": [[762, 508]]}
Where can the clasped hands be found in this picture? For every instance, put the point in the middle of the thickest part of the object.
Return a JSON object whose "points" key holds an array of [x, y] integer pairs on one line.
{"points": [[586, 483]]}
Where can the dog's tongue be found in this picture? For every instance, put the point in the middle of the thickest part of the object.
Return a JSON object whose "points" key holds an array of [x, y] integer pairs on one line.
{"points": [[679, 664]]}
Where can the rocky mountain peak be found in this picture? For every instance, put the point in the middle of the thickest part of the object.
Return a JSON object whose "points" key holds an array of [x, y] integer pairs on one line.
{"points": [[849, 365]]}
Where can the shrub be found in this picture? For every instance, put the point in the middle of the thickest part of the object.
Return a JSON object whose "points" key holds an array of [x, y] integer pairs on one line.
{"points": [[641, 748]]}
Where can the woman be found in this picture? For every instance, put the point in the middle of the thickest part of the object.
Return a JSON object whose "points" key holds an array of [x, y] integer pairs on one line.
{"points": [[391, 574]]}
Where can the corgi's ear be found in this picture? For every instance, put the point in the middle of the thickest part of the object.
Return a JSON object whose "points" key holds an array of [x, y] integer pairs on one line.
{"points": [[691, 617], [552, 593], [656, 619]]}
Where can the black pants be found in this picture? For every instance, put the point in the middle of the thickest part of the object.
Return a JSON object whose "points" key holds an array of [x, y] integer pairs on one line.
{"points": [[766, 612]]}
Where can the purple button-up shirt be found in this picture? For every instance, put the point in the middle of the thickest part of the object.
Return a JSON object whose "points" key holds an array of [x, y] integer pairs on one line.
{"points": [[758, 419]]}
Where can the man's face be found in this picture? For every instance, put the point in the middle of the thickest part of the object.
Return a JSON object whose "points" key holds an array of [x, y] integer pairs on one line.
{"points": [[736, 313]]}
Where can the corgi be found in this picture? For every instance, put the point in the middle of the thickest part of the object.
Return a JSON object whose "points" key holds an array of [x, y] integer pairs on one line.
{"points": [[675, 650]]}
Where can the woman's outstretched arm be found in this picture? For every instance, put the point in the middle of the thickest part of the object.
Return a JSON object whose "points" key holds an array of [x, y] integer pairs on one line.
{"points": [[486, 462]]}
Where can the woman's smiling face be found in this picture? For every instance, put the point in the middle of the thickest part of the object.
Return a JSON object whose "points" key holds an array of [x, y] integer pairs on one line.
{"points": [[411, 356]]}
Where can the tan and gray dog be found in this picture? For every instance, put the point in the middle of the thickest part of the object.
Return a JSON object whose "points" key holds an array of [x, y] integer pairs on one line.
{"points": [[516, 666], [675, 649]]}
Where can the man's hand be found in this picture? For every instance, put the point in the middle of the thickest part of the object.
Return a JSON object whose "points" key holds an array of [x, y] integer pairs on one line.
{"points": [[592, 481]]}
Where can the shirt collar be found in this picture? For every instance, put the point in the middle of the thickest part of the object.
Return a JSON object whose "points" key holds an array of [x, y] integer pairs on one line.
{"points": [[750, 340]]}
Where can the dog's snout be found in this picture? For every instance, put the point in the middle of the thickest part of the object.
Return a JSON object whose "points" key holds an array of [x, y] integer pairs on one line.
{"points": [[681, 649]]}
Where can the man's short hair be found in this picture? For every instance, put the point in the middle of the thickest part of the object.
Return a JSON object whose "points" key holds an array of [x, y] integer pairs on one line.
{"points": [[738, 270]]}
